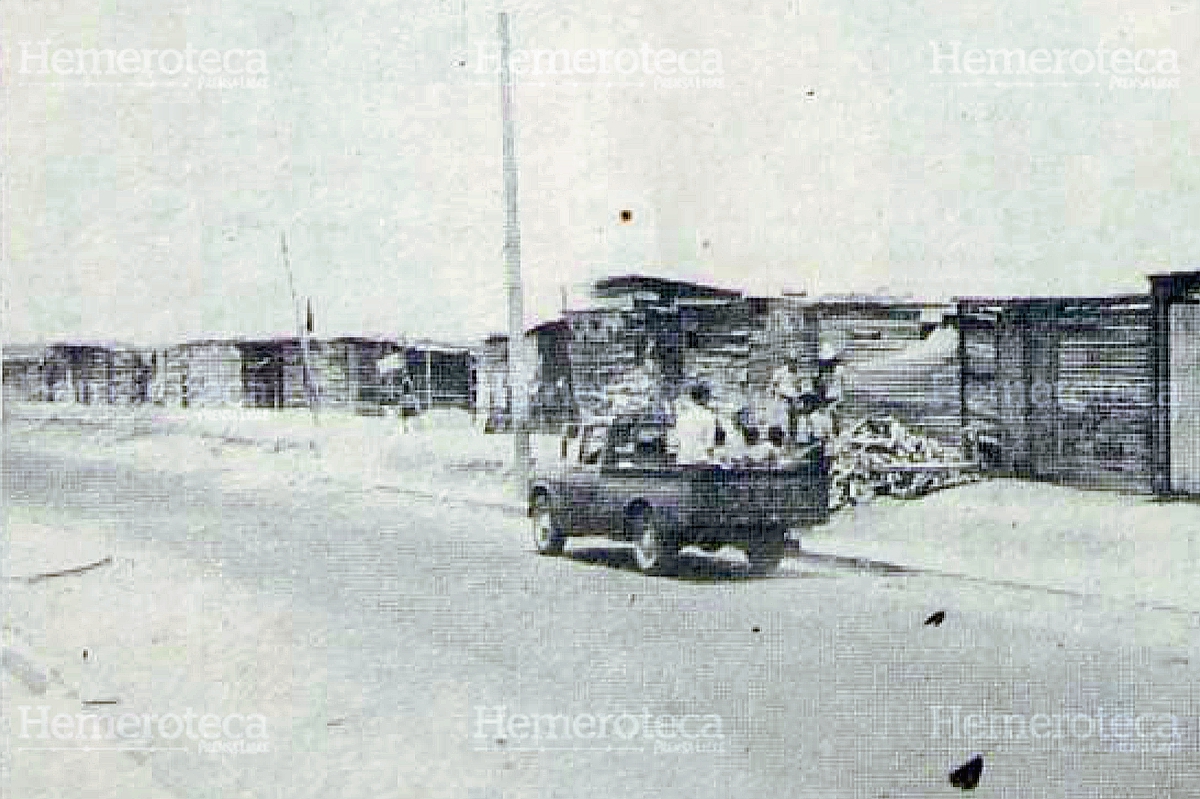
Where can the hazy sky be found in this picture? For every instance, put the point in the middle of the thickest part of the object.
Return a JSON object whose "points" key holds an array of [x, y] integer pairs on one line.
{"points": [[830, 159]]}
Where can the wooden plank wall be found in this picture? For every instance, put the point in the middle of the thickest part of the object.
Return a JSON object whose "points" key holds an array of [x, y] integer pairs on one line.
{"points": [[331, 362], [922, 392], [716, 349], [171, 377], [56, 376], [863, 332], [93, 383], [980, 365], [491, 368], [876, 345], [733, 344], [1012, 394], [603, 350]]}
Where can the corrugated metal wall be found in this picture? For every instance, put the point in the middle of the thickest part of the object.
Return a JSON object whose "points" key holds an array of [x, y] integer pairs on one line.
{"points": [[1183, 368], [1066, 385], [1105, 394]]}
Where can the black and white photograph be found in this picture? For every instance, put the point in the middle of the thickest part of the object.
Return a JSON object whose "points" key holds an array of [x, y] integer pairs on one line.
{"points": [[508, 399]]}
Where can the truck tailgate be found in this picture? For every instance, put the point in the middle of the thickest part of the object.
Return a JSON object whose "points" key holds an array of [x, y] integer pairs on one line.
{"points": [[761, 496]]}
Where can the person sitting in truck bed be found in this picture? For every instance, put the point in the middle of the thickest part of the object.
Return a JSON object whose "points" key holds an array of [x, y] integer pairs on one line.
{"points": [[822, 421], [753, 448], [810, 425], [696, 432]]}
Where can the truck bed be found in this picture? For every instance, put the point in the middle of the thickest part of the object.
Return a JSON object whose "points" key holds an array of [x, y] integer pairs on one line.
{"points": [[794, 495]]}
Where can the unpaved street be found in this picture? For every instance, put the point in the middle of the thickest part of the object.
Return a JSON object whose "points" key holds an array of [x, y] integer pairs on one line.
{"points": [[404, 646]]}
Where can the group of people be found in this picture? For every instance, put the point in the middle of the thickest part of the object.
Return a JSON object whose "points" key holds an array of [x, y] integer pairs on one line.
{"points": [[797, 414]]}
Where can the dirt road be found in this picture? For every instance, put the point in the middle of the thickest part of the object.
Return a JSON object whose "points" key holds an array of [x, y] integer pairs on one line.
{"points": [[401, 646]]}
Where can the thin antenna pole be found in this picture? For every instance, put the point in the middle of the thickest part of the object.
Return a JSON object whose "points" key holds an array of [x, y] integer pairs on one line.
{"points": [[309, 388]]}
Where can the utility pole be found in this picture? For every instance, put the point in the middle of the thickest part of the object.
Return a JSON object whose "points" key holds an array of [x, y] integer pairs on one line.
{"points": [[512, 264], [301, 329]]}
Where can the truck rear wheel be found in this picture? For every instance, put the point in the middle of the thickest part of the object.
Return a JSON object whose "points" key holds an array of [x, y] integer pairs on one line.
{"points": [[765, 549], [654, 544], [547, 538]]}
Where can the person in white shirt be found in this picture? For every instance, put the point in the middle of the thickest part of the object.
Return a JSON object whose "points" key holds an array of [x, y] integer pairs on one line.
{"points": [[822, 422], [695, 432], [784, 381]]}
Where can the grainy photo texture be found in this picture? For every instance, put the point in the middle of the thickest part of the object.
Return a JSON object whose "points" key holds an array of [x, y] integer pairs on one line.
{"points": [[493, 399]]}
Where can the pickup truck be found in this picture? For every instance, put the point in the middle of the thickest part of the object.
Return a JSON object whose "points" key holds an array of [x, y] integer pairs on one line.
{"points": [[618, 479]]}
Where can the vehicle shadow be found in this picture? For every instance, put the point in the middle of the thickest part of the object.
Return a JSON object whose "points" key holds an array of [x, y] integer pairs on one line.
{"points": [[694, 565]]}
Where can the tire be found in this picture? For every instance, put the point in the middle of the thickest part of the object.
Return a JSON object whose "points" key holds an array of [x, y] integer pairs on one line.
{"points": [[765, 550], [548, 539], [655, 546], [841, 492]]}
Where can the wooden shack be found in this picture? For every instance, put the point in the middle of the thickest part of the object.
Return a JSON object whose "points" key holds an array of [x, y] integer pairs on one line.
{"points": [[272, 373], [24, 373], [205, 373], [647, 337], [864, 329], [604, 348], [170, 377], [492, 401], [346, 370], [79, 372], [131, 375], [552, 400], [441, 374]]}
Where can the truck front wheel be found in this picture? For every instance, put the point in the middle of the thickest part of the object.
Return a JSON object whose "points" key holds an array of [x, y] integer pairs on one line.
{"points": [[546, 536], [654, 544], [765, 549]]}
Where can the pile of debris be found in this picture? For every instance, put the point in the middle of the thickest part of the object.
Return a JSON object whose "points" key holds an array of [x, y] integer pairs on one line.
{"points": [[879, 455]]}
